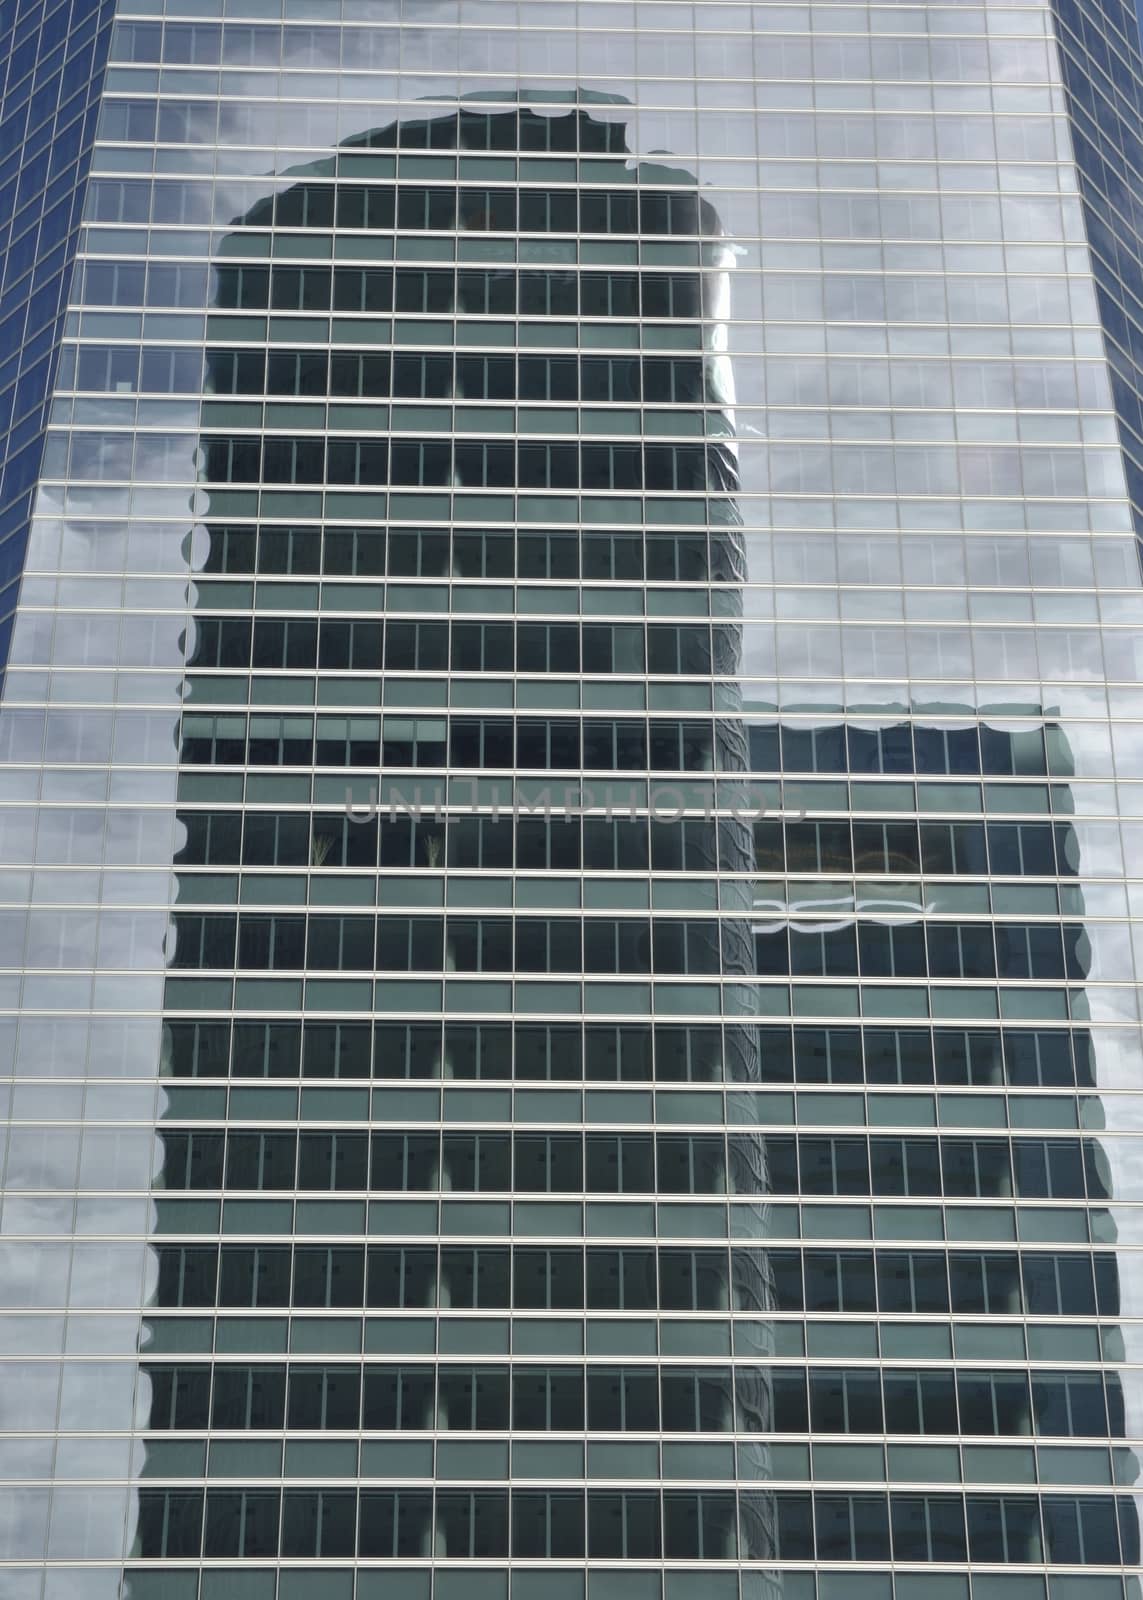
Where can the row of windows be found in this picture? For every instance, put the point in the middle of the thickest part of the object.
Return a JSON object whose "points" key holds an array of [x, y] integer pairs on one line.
{"points": [[796, 132], [778, 140], [279, 943], [632, 1053], [568, 744], [567, 844], [813, 212], [637, 1163], [881, 950], [636, 1399], [289, 942], [499, 292], [570, 1278], [770, 747], [807, 468], [786, 468], [495, 292], [487, 463], [908, 747], [723, 555], [298, 643], [411, 208], [1014, 849], [122, 369], [465, 742], [755, 1525], [527, 463], [1018, 125], [136, 121], [614, 52], [777, 297], [993, 383], [431, 553], [632, 649]]}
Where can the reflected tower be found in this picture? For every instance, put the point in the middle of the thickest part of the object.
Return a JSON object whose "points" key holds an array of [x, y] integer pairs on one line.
{"points": [[424, 464]]}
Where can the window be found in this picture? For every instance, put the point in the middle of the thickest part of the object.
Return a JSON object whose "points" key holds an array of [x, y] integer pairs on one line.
{"points": [[476, 1162], [620, 1163], [920, 1402], [170, 1523], [243, 288], [399, 1399], [1004, 1529], [691, 1163], [913, 1281], [851, 1527], [422, 376], [421, 208], [361, 461], [928, 1527], [319, 1522], [547, 1524], [180, 1397], [409, 1161], [486, 293], [331, 1161], [192, 1160], [255, 1275], [260, 1160], [249, 1396], [372, 207], [409, 944], [367, 289], [395, 1524], [697, 1399], [355, 373], [324, 1397], [301, 289], [241, 372], [485, 377], [297, 372], [624, 1525], [548, 1163], [547, 1399]]}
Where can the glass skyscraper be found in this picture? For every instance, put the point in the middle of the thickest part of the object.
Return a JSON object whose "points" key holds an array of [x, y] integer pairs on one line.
{"points": [[571, 800]]}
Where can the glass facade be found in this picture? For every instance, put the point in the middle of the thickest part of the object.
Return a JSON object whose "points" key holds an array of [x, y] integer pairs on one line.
{"points": [[571, 811], [51, 69], [1102, 70]]}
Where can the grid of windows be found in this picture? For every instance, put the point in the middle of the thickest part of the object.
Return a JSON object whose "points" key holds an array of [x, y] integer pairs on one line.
{"points": [[52, 58], [1100, 69], [568, 935]]}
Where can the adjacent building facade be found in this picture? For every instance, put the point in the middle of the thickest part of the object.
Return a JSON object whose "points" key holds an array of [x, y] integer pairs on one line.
{"points": [[571, 801]]}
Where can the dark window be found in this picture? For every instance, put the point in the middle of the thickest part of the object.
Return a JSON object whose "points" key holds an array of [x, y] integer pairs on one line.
{"points": [[395, 1524], [399, 1399], [170, 1523], [242, 1522], [920, 1402], [249, 1397], [547, 1524], [548, 1399], [255, 1275], [180, 1397], [624, 1525], [324, 1397], [928, 1527]]}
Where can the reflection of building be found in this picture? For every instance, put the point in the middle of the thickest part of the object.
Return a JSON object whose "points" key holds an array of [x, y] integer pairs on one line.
{"points": [[680, 1132], [406, 392], [466, 393]]}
